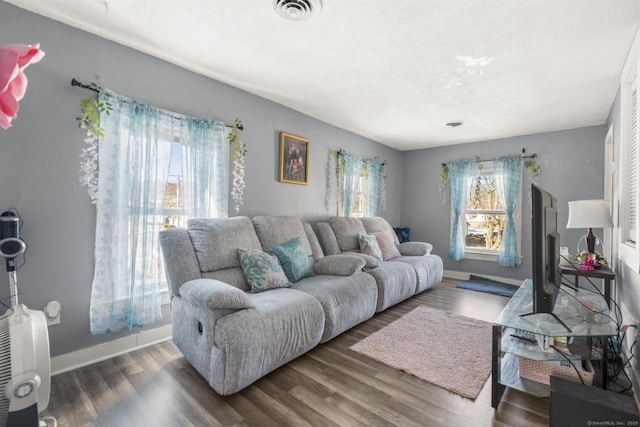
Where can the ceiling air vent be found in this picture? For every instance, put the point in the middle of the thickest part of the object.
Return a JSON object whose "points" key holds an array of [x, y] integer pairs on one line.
{"points": [[297, 10]]}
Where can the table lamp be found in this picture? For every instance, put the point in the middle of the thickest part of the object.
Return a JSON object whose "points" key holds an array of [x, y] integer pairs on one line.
{"points": [[589, 214]]}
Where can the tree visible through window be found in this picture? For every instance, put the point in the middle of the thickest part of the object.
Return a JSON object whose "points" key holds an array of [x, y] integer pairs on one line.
{"points": [[485, 214]]}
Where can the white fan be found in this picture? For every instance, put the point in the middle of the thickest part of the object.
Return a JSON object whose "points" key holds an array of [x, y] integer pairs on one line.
{"points": [[25, 370], [25, 367]]}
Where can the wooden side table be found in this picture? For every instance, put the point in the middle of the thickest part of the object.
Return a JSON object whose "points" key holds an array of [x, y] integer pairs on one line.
{"points": [[604, 273]]}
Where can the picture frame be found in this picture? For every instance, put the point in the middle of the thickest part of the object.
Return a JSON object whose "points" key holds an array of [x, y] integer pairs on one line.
{"points": [[294, 159]]}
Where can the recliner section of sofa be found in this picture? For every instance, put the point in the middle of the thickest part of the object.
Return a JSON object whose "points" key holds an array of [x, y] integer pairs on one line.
{"points": [[414, 271], [232, 336], [346, 300]]}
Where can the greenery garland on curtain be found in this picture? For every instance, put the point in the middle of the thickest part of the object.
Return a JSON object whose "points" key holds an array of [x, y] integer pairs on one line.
{"points": [[238, 154], [349, 170], [89, 119]]}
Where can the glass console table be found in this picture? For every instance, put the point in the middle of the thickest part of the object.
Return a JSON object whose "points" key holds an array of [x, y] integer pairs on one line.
{"points": [[583, 322]]}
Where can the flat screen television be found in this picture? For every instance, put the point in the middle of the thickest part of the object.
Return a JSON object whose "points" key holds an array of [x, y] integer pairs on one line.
{"points": [[546, 251]]}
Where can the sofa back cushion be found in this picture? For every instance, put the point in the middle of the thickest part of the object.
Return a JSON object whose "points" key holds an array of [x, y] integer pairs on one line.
{"points": [[327, 238], [347, 231], [278, 230], [216, 241], [379, 224], [316, 248]]}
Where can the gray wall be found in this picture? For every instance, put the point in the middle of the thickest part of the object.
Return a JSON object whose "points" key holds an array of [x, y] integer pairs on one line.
{"points": [[571, 164], [39, 160]]}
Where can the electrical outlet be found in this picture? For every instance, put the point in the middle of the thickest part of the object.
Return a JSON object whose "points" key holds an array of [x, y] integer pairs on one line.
{"points": [[52, 313]]}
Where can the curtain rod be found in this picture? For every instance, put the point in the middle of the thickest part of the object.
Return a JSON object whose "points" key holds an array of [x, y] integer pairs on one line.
{"points": [[341, 151], [530, 156], [75, 82]]}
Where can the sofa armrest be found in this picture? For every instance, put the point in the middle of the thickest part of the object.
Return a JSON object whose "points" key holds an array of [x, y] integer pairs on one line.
{"points": [[370, 261], [213, 294], [415, 248], [339, 265]]}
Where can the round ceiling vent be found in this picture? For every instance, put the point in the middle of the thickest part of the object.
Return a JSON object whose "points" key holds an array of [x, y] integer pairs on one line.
{"points": [[297, 10]]}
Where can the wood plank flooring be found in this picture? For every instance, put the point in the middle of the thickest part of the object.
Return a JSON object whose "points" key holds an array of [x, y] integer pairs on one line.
{"points": [[328, 386]]}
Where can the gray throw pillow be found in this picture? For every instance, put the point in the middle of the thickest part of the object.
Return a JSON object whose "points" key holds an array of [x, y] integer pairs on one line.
{"points": [[262, 270], [369, 245]]}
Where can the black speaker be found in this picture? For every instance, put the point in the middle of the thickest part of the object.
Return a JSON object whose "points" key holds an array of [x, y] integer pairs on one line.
{"points": [[577, 405]]}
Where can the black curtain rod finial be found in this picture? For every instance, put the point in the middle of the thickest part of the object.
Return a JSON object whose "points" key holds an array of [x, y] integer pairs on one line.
{"points": [[75, 82]]}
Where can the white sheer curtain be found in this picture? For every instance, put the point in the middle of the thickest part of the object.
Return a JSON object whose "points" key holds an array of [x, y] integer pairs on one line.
{"points": [[134, 166]]}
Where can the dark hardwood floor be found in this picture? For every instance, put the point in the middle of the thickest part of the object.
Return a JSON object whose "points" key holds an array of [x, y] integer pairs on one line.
{"points": [[328, 386]]}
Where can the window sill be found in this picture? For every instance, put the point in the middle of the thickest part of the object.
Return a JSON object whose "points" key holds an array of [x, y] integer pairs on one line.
{"points": [[479, 255], [165, 297]]}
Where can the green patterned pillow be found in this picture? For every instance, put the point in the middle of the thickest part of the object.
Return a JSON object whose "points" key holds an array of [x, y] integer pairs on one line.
{"points": [[262, 270], [369, 245], [294, 259]]}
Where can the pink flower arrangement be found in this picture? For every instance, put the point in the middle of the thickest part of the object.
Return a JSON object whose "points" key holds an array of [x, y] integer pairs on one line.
{"points": [[13, 82], [588, 264]]}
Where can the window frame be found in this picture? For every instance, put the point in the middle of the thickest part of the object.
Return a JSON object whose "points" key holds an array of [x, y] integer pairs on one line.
{"points": [[482, 254], [629, 251]]}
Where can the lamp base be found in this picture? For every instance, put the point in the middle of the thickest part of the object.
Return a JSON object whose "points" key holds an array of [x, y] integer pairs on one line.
{"points": [[589, 242]]}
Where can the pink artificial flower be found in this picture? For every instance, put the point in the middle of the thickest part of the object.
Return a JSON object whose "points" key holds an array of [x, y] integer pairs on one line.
{"points": [[587, 264], [13, 83]]}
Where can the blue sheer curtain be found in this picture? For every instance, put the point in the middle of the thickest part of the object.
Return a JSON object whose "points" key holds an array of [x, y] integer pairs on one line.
{"points": [[373, 187], [205, 155], [459, 174], [351, 171], [134, 166], [509, 173]]}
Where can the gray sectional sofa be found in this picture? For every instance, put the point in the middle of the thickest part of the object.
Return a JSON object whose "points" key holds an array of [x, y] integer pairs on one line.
{"points": [[233, 336]]}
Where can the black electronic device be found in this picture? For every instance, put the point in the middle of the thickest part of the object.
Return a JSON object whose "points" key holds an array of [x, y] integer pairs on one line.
{"points": [[545, 252], [11, 245]]}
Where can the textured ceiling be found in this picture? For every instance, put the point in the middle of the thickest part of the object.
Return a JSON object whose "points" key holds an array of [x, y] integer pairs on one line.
{"points": [[393, 71]]}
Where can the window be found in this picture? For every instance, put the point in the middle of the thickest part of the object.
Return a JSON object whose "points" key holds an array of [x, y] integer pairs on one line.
{"points": [[358, 185], [485, 216], [629, 135], [358, 202], [157, 169], [485, 202]]}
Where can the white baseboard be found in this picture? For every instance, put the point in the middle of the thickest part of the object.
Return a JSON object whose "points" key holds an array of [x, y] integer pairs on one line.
{"points": [[87, 356], [460, 275]]}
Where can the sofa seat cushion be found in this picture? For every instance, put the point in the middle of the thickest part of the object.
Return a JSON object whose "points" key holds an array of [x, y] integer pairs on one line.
{"points": [[249, 344], [346, 300], [428, 269], [396, 281]]}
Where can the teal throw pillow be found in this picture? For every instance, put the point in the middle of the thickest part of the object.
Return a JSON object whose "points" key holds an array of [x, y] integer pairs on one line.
{"points": [[262, 270], [369, 245], [293, 257]]}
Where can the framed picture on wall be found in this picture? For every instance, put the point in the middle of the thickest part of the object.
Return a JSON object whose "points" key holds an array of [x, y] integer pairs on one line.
{"points": [[294, 159]]}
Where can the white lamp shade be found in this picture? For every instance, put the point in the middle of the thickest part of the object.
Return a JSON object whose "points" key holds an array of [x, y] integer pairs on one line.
{"points": [[589, 214]]}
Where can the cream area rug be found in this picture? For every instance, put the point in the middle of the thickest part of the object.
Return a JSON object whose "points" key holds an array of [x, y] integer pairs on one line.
{"points": [[443, 348]]}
